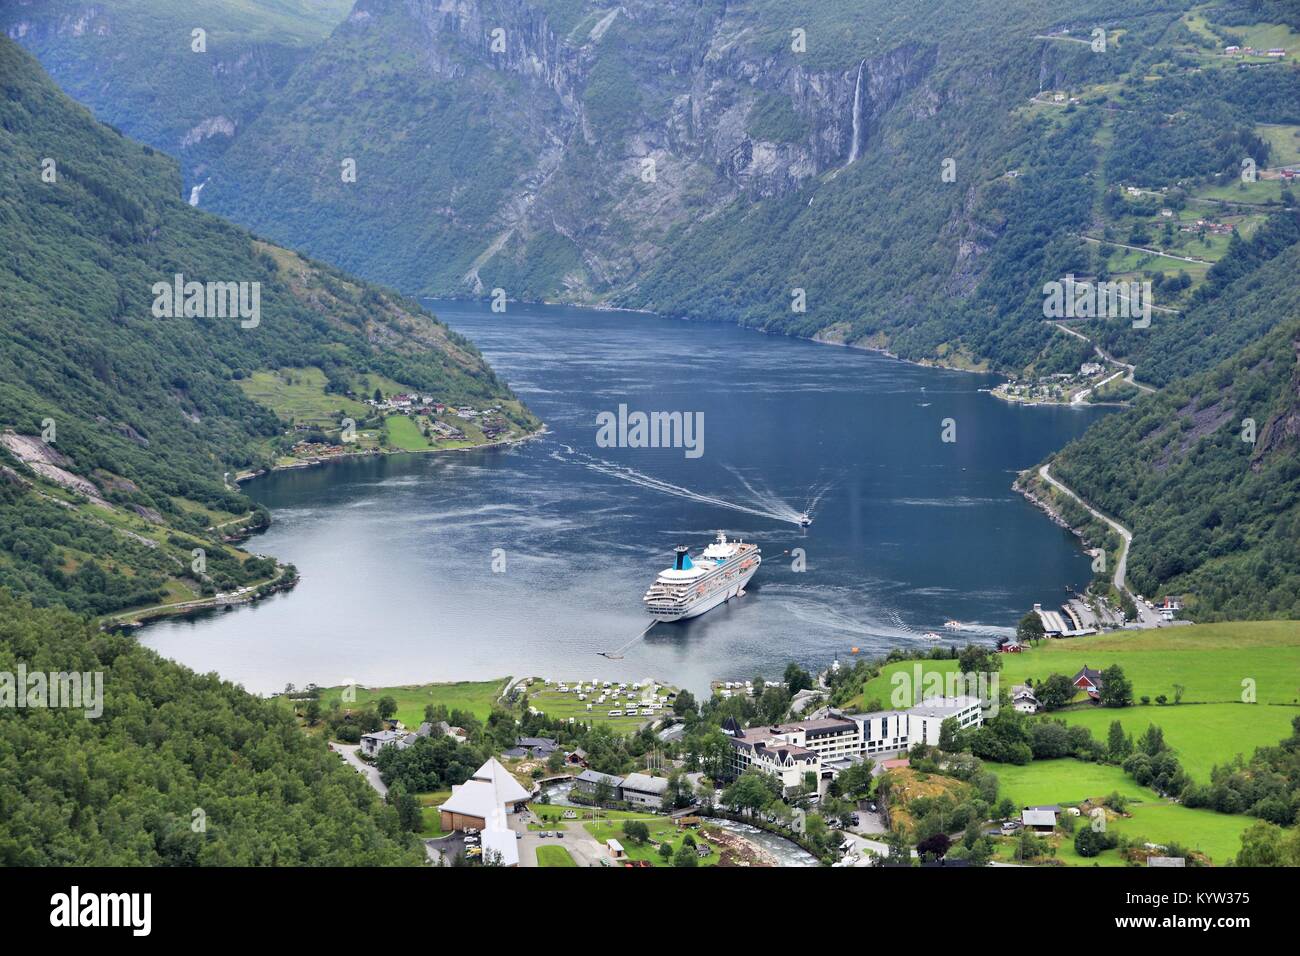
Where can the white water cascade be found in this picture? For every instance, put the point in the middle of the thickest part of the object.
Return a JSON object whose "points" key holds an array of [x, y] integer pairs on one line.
{"points": [[857, 120]]}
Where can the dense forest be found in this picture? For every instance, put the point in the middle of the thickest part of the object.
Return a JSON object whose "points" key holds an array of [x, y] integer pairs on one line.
{"points": [[179, 769], [1207, 472], [144, 415]]}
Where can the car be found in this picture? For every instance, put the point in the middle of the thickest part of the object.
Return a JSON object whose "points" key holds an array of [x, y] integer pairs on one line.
{"points": [[559, 834], [471, 839], [519, 836], [856, 819], [1010, 826], [544, 834], [872, 807], [474, 851]]}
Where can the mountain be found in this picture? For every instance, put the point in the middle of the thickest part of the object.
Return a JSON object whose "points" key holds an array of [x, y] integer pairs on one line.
{"points": [[700, 158], [1207, 471], [121, 426]]}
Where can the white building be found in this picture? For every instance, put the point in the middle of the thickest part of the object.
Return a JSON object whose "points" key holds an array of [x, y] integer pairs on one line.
{"points": [[925, 719], [830, 744], [644, 790]]}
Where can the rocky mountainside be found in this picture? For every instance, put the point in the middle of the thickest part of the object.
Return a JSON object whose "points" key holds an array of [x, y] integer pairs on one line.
{"points": [[122, 420], [613, 152]]}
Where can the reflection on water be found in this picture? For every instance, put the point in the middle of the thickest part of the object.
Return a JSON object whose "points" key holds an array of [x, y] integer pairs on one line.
{"points": [[396, 552]]}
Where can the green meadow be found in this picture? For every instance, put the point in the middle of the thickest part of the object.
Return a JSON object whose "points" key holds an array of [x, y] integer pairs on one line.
{"points": [[1064, 781], [661, 831], [1202, 735], [476, 697], [1213, 662], [554, 856], [1150, 819]]}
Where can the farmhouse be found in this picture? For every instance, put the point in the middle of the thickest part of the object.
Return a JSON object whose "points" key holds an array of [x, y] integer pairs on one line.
{"points": [[1024, 700], [371, 744], [1088, 680], [1042, 819]]}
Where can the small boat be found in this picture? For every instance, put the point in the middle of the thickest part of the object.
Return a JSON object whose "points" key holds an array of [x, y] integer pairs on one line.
{"points": [[953, 625], [805, 520], [931, 636]]}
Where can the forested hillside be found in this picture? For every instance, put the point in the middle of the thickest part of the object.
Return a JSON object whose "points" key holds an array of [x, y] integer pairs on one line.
{"points": [[917, 170], [1207, 472], [179, 769], [118, 428]]}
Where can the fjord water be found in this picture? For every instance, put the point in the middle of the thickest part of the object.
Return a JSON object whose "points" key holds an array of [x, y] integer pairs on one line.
{"points": [[397, 553]]}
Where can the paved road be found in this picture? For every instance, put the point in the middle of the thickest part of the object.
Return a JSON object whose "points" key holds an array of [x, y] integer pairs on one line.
{"points": [[349, 752], [1154, 252], [1146, 616]]}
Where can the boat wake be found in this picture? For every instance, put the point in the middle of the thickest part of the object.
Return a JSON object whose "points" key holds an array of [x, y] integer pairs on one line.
{"points": [[764, 505]]}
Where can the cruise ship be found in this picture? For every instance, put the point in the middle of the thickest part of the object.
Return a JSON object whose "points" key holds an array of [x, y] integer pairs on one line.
{"points": [[689, 588]]}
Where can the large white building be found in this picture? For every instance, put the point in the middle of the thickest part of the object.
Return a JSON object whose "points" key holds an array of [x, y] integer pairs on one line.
{"points": [[828, 745]]}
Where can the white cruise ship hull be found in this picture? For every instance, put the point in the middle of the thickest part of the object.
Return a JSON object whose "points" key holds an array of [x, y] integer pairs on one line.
{"points": [[706, 603]]}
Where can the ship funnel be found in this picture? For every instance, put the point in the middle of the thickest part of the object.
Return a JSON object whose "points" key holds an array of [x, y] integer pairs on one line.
{"points": [[683, 561]]}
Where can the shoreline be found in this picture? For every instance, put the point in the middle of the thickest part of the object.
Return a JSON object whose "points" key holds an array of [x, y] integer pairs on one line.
{"points": [[244, 476]]}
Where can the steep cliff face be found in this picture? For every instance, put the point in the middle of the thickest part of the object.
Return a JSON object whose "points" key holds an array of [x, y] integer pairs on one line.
{"points": [[593, 130]]}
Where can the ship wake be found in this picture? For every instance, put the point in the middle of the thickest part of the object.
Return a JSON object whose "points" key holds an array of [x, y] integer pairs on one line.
{"points": [[764, 505]]}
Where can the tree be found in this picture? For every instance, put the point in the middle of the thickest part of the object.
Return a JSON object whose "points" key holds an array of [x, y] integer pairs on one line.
{"points": [[1116, 690], [684, 703], [1030, 629], [665, 851], [1054, 692], [636, 831], [603, 792], [949, 731], [1118, 744], [1089, 842], [686, 857], [796, 679], [386, 707], [934, 847]]}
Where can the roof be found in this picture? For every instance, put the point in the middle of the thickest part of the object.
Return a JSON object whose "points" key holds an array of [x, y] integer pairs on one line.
{"points": [[594, 776], [475, 798], [508, 789], [1094, 677], [645, 784], [384, 736], [1038, 818], [943, 706], [503, 842], [539, 743], [1166, 861], [614, 845]]}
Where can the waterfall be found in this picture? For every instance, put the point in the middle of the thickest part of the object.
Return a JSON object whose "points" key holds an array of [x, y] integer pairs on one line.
{"points": [[194, 192], [857, 121]]}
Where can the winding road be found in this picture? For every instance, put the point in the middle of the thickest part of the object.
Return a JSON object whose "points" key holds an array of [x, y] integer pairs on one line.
{"points": [[1146, 617]]}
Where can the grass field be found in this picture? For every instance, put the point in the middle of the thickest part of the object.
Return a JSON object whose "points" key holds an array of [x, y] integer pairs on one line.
{"points": [[1210, 660], [1285, 143], [661, 830], [554, 856], [476, 697], [549, 700], [404, 433], [1217, 835], [299, 394], [1066, 781], [431, 828], [1202, 735]]}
